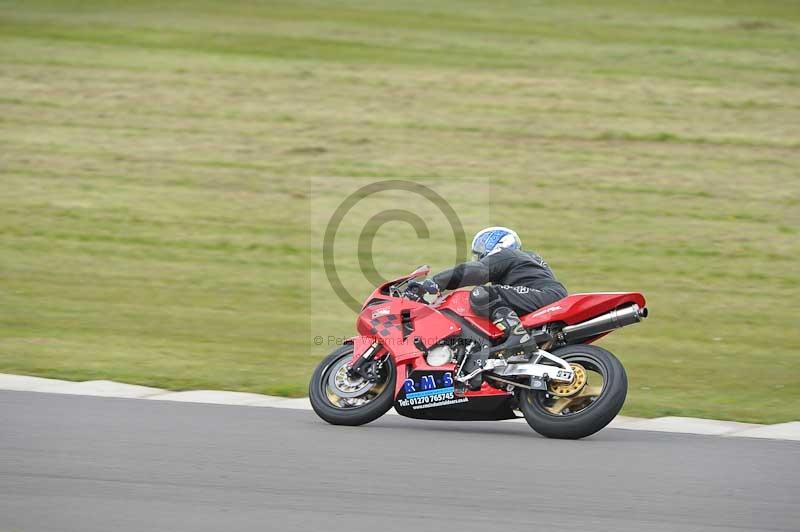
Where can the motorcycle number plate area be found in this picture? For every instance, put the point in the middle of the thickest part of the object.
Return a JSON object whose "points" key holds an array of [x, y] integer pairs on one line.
{"points": [[430, 394], [428, 389]]}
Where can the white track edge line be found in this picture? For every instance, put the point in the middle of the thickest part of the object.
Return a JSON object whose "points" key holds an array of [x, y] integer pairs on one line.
{"points": [[104, 388]]}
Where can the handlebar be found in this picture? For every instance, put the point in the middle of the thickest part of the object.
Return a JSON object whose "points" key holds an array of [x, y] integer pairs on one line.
{"points": [[417, 295], [397, 289]]}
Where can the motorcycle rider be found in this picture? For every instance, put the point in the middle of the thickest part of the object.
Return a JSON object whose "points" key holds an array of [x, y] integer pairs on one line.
{"points": [[521, 282]]}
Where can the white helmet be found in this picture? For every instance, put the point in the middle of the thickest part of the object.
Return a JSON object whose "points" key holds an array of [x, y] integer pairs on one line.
{"points": [[493, 239]]}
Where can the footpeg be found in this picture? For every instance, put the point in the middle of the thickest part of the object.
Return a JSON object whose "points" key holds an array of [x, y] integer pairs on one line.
{"points": [[473, 379], [523, 352], [488, 365]]}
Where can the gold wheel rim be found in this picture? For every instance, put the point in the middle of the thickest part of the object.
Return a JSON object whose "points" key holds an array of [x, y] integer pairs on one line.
{"points": [[568, 389], [573, 395]]}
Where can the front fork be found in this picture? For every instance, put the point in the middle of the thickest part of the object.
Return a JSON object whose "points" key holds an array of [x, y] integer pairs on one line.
{"points": [[366, 366]]}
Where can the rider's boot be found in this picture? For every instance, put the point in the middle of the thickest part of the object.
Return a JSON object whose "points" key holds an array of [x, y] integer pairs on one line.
{"points": [[518, 343]]}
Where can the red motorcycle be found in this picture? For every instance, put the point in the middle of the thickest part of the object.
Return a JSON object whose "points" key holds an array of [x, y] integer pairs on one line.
{"points": [[412, 355]]}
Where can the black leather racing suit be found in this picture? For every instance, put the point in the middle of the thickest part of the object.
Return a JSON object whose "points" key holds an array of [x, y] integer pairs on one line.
{"points": [[520, 280]]}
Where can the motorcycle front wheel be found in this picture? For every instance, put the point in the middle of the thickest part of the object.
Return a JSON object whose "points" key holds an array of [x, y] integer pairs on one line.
{"points": [[583, 407], [341, 399]]}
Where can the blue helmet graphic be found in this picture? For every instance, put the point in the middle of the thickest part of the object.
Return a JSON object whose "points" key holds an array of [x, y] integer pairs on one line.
{"points": [[493, 239]]}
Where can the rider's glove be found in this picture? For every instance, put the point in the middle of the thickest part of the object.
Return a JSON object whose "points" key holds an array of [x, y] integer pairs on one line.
{"points": [[430, 286], [414, 290]]}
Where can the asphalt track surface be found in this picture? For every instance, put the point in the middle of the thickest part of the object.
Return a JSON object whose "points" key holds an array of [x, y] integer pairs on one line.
{"points": [[74, 463]]}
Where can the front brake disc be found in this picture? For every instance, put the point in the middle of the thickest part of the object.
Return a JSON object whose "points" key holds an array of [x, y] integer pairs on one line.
{"points": [[344, 385]]}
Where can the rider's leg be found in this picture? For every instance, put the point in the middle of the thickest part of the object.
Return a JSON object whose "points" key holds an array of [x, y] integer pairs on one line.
{"points": [[487, 301], [521, 300], [500, 303], [490, 302], [507, 321], [484, 300], [524, 299]]}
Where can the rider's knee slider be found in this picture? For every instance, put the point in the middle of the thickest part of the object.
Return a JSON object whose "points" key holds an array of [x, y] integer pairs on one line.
{"points": [[483, 300]]}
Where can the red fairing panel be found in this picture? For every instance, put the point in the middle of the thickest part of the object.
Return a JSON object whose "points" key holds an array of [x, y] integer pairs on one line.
{"points": [[581, 307], [383, 322]]}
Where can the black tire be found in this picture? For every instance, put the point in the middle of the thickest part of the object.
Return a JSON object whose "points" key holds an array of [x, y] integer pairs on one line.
{"points": [[352, 416], [593, 417]]}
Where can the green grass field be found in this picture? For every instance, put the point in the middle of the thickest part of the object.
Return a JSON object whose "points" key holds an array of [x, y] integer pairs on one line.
{"points": [[166, 169]]}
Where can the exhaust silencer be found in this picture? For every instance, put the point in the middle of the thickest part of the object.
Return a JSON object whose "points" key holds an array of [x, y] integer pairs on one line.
{"points": [[604, 323]]}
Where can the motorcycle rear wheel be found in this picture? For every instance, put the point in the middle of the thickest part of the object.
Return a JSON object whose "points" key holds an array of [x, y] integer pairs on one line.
{"points": [[342, 400], [586, 411]]}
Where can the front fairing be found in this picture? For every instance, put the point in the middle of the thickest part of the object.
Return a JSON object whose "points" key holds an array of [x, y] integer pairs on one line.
{"points": [[396, 322]]}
